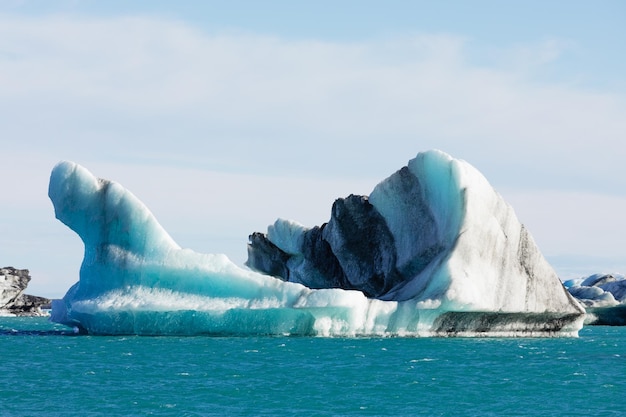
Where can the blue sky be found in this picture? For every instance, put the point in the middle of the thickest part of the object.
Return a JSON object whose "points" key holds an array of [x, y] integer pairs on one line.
{"points": [[223, 117]]}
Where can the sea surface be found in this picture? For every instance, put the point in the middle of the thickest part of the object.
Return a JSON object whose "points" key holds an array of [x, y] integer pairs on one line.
{"points": [[46, 370]]}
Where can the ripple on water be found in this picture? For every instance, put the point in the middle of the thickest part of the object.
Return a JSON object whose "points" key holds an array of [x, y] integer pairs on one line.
{"points": [[99, 376]]}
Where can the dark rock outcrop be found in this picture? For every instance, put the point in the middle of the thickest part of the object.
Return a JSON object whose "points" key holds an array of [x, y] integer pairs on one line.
{"points": [[13, 283]]}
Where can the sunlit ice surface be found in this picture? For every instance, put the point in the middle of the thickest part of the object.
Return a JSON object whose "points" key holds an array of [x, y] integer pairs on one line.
{"points": [[486, 278]]}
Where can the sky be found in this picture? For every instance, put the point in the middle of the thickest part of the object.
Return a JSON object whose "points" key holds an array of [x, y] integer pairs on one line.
{"points": [[223, 116]]}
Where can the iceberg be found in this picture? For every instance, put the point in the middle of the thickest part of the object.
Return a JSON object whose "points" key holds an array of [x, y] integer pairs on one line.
{"points": [[13, 300], [433, 251], [604, 298]]}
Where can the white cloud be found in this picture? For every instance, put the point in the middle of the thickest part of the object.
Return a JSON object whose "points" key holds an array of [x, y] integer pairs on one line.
{"points": [[135, 81], [532, 56]]}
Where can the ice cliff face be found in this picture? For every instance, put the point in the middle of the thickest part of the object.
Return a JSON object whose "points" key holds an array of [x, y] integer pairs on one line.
{"points": [[13, 301], [434, 248]]}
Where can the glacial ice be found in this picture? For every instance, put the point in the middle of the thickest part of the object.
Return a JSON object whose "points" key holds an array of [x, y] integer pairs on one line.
{"points": [[485, 278], [604, 297]]}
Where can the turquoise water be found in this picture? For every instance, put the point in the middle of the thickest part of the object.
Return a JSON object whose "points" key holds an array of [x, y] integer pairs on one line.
{"points": [[46, 370]]}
